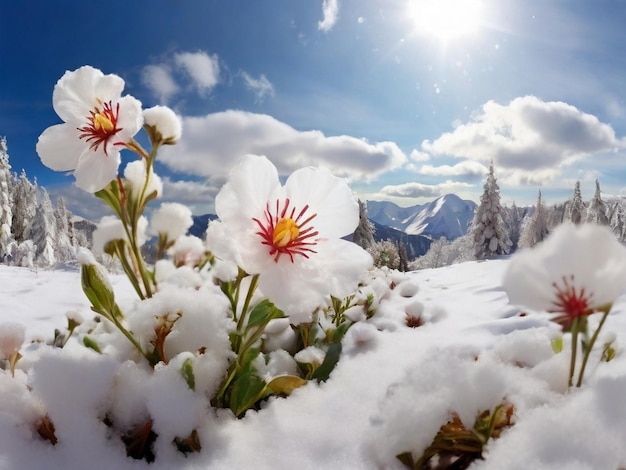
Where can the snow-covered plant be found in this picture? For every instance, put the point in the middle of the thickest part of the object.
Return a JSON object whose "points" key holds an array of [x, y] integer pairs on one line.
{"points": [[576, 272], [385, 253], [225, 322]]}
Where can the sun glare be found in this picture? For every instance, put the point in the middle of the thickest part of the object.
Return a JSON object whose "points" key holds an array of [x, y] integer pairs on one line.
{"points": [[446, 19]]}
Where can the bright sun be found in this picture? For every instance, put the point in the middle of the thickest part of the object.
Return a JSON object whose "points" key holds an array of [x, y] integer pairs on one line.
{"points": [[446, 19]]}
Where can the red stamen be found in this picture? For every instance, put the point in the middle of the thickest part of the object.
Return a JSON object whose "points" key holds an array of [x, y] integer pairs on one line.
{"points": [[300, 244], [570, 301], [102, 126]]}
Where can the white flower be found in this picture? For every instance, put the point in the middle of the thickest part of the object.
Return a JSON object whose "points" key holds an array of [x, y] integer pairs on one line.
{"points": [[171, 219], [135, 176], [11, 338], [166, 125], [187, 250], [291, 234], [111, 228], [97, 122], [575, 271]]}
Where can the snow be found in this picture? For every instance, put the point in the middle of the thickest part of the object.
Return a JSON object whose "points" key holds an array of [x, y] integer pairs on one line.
{"points": [[392, 389]]}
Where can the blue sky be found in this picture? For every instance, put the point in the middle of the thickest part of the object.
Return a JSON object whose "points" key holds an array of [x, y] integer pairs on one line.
{"points": [[407, 100]]}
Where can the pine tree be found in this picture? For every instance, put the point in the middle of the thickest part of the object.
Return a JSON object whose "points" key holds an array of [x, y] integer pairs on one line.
{"points": [[6, 214], [576, 206], [364, 233], [513, 218], [44, 231], [617, 220], [65, 232], [489, 233], [536, 227], [597, 211], [24, 207]]}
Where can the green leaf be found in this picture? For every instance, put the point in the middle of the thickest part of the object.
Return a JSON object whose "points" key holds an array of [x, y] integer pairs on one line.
{"points": [[188, 375], [285, 384], [263, 312], [340, 332], [91, 344], [247, 390], [322, 373]]}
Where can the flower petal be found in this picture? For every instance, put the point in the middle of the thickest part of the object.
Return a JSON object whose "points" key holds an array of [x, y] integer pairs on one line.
{"points": [[252, 182], [130, 118], [59, 147], [328, 196], [95, 170], [77, 92]]}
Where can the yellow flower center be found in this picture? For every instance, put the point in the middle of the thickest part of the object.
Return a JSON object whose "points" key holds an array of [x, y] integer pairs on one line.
{"points": [[285, 231], [102, 123]]}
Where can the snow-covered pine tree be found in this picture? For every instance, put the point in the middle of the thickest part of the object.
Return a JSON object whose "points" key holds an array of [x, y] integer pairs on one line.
{"points": [[489, 232], [6, 214], [513, 217], [597, 210], [364, 233], [24, 207], [536, 227], [385, 253], [65, 250], [44, 231], [618, 220], [575, 207]]}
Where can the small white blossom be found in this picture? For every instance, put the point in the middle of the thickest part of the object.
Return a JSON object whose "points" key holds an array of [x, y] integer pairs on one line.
{"points": [[171, 219], [135, 176], [187, 250], [165, 122], [11, 338], [310, 355], [111, 228]]}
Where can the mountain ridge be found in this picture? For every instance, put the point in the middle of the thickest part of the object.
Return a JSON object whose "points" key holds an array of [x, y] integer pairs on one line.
{"points": [[447, 216]]}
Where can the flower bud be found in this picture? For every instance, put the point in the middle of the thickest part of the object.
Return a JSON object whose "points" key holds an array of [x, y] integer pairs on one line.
{"points": [[162, 125]]}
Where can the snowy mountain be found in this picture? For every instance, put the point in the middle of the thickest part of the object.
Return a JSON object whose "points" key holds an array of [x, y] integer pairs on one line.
{"points": [[448, 216]]}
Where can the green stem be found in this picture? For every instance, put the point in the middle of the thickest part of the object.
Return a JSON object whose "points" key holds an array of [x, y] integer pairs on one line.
{"points": [[130, 274], [591, 343], [572, 364]]}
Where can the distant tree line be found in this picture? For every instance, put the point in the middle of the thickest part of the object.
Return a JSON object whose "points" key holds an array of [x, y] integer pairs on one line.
{"points": [[498, 230], [33, 232]]}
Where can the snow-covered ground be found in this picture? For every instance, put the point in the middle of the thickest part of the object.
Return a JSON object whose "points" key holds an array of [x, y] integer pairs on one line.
{"points": [[393, 388]]}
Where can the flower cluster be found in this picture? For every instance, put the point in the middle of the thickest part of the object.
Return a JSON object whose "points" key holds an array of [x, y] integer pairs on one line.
{"points": [[256, 309]]}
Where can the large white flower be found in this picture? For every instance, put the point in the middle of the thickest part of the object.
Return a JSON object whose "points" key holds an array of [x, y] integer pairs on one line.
{"points": [[575, 271], [291, 234], [98, 121]]}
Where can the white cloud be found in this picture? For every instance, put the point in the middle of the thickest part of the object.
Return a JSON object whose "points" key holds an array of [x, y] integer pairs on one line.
{"points": [[468, 168], [418, 156], [527, 135], [202, 69], [212, 144], [330, 9], [261, 87], [416, 190], [199, 196], [158, 78]]}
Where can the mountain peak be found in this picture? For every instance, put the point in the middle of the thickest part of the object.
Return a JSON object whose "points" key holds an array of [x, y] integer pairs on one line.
{"points": [[448, 216]]}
